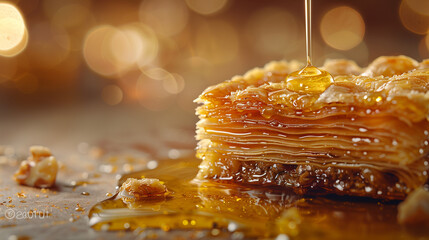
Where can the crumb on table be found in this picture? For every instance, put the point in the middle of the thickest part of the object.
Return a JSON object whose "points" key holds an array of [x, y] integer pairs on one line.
{"points": [[415, 208], [142, 189], [39, 170]]}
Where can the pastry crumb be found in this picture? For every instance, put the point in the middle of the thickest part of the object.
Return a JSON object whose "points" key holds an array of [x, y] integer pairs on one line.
{"points": [[415, 209], [142, 189], [39, 170]]}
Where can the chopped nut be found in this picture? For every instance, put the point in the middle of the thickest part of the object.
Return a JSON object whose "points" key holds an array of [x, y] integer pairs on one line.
{"points": [[39, 152], [142, 189], [21, 194], [39, 170], [415, 208]]}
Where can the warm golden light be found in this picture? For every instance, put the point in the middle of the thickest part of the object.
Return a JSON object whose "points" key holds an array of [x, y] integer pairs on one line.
{"points": [[48, 39], [14, 35], [67, 13], [122, 46], [342, 28], [112, 95], [359, 54], [110, 51], [419, 6], [413, 20], [151, 93], [425, 42], [216, 41], [143, 43], [273, 32], [165, 52], [166, 17], [97, 52], [174, 84], [424, 47], [157, 73], [206, 7]]}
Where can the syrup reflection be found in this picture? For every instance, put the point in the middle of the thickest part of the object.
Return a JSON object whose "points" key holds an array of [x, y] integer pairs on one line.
{"points": [[194, 204], [254, 212]]}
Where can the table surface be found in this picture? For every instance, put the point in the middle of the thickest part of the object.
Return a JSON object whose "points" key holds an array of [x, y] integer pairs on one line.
{"points": [[93, 144]]}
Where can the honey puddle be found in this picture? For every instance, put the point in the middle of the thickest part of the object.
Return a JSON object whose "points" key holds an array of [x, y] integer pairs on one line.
{"points": [[230, 210]]}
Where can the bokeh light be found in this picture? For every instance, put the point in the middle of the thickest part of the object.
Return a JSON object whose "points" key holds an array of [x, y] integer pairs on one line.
{"points": [[111, 51], [174, 84], [216, 41], [419, 6], [163, 53], [47, 38], [342, 28], [143, 42], [157, 73], [67, 13], [112, 95], [424, 47], [412, 19], [166, 17], [126, 46], [14, 35], [152, 94], [206, 7], [426, 40], [273, 32], [97, 52], [359, 54]]}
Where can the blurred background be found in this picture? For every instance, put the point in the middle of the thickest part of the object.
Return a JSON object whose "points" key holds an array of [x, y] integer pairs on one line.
{"points": [[157, 55]]}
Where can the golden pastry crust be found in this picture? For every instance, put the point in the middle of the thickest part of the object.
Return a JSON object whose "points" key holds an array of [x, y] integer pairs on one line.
{"points": [[376, 117], [405, 94]]}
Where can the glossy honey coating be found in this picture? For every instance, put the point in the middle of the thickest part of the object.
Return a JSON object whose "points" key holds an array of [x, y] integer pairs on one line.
{"points": [[361, 120], [309, 80], [408, 89]]}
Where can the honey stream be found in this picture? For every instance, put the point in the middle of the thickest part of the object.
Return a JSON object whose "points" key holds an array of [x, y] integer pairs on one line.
{"points": [[226, 210], [309, 79]]}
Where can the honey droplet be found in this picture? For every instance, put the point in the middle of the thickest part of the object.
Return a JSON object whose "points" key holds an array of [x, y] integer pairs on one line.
{"points": [[309, 80]]}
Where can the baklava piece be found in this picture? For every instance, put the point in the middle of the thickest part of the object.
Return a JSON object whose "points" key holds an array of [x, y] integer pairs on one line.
{"points": [[39, 170], [366, 134]]}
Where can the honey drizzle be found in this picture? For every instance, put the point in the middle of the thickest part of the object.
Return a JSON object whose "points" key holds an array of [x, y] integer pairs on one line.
{"points": [[308, 31], [309, 79]]}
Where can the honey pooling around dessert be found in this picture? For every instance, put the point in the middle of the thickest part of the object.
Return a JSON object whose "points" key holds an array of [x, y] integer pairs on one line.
{"points": [[309, 80], [207, 209]]}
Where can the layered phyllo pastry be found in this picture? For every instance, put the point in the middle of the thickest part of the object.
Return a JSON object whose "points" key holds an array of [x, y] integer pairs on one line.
{"points": [[364, 134]]}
